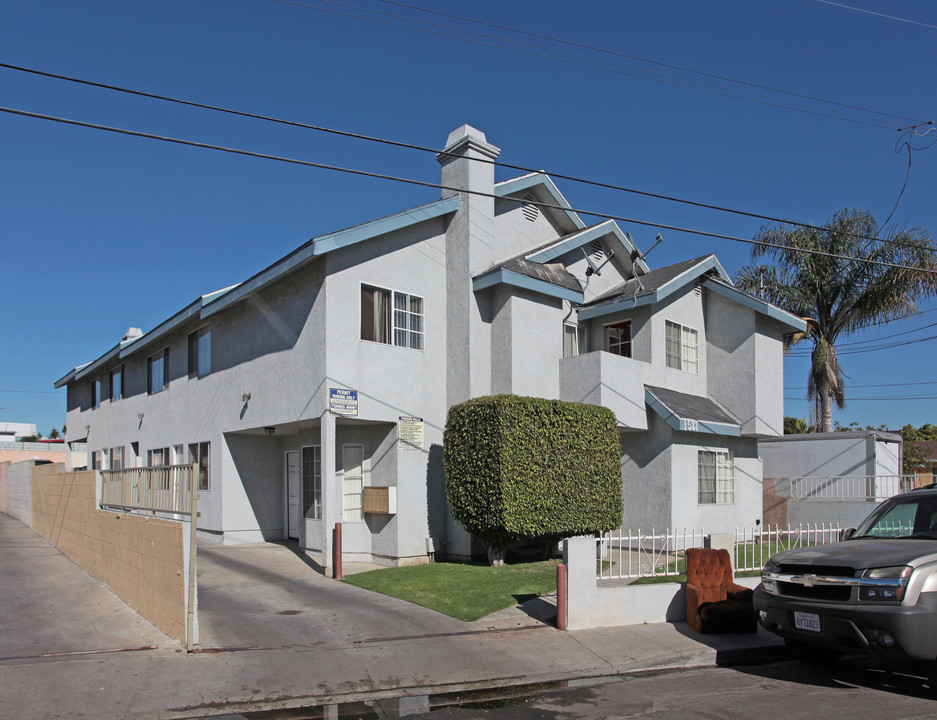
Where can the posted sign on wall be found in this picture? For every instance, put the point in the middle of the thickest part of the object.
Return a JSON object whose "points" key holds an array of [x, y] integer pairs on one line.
{"points": [[409, 433], [343, 402]]}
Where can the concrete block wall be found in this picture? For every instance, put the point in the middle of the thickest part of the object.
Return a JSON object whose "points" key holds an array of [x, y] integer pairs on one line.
{"points": [[141, 559], [16, 490], [590, 604]]}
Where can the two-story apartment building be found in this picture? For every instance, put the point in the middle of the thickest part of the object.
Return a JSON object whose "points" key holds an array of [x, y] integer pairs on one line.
{"points": [[329, 373]]}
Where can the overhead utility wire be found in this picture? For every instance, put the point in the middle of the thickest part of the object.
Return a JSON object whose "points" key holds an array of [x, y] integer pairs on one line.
{"points": [[932, 382], [411, 146], [870, 12], [681, 81], [683, 84], [438, 186], [641, 59]]}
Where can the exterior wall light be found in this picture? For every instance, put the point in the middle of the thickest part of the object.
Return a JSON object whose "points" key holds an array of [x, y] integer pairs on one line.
{"points": [[245, 397], [270, 430]]}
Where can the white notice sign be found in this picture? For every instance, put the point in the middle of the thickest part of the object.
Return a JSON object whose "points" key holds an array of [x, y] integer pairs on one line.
{"points": [[409, 433]]}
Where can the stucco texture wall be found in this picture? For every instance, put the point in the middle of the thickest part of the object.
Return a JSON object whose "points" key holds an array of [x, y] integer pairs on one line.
{"points": [[141, 559]]}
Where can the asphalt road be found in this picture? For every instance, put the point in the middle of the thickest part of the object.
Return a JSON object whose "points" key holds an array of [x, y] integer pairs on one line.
{"points": [[850, 689]]}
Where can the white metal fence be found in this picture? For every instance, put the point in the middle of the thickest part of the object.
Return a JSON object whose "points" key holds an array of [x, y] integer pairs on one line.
{"points": [[873, 488], [626, 555], [157, 488]]}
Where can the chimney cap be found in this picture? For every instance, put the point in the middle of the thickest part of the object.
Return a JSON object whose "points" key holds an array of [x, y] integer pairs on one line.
{"points": [[467, 137]]}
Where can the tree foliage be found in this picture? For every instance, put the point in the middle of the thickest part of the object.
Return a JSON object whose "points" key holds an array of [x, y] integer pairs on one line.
{"points": [[841, 291], [795, 426], [521, 467]]}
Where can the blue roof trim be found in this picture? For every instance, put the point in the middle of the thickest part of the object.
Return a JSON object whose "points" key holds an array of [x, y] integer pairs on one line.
{"points": [[509, 277], [69, 376], [571, 242], [525, 182], [350, 236], [327, 243], [664, 291], [758, 305], [689, 424], [111, 354], [165, 327]]}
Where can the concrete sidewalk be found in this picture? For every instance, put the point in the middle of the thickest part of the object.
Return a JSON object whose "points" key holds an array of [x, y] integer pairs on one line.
{"points": [[70, 648]]}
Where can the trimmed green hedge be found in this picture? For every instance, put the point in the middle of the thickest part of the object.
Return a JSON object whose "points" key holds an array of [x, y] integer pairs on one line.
{"points": [[521, 467]]}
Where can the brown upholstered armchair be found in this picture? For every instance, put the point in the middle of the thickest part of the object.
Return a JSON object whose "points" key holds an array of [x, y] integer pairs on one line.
{"points": [[714, 603]]}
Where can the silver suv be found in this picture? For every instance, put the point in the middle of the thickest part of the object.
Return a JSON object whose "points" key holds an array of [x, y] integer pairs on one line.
{"points": [[875, 592]]}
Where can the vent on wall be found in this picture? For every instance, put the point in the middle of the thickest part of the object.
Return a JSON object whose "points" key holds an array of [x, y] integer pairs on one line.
{"points": [[598, 250], [531, 211], [698, 289]]}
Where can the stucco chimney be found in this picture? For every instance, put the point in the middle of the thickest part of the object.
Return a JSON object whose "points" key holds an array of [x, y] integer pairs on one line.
{"points": [[461, 169]]}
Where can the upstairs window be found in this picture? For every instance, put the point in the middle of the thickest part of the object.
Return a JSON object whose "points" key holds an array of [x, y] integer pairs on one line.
{"points": [[200, 352], [117, 383], [391, 317], [574, 340], [96, 393], [682, 347], [156, 366], [618, 338]]}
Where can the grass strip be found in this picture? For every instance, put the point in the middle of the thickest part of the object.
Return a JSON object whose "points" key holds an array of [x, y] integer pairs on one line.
{"points": [[466, 592]]}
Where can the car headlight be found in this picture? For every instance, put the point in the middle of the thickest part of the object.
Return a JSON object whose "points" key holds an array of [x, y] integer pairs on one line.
{"points": [[895, 580], [895, 571], [767, 584]]}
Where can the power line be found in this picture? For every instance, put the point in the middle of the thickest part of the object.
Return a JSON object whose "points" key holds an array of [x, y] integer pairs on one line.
{"points": [[873, 348], [678, 82], [639, 59], [862, 399], [438, 186], [878, 14], [412, 146], [882, 385]]}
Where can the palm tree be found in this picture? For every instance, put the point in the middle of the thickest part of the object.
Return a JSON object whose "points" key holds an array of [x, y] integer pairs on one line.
{"points": [[842, 290]]}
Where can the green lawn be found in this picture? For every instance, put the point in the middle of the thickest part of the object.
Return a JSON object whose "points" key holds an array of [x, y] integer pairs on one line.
{"points": [[466, 592]]}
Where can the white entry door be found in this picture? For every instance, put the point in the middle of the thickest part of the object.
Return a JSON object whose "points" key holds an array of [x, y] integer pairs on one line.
{"points": [[294, 493]]}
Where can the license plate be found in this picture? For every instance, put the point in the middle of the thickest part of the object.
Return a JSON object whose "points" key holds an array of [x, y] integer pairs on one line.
{"points": [[807, 621]]}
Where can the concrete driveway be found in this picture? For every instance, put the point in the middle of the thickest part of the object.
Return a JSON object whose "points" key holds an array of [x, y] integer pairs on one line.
{"points": [[266, 595]]}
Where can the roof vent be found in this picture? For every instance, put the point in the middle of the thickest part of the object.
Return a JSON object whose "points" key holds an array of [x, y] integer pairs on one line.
{"points": [[530, 210], [698, 288], [132, 334], [598, 250]]}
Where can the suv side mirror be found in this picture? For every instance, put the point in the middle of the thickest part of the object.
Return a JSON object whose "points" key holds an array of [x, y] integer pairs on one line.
{"points": [[847, 533]]}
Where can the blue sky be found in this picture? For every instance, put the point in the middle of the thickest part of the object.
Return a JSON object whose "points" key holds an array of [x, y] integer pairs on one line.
{"points": [[100, 232]]}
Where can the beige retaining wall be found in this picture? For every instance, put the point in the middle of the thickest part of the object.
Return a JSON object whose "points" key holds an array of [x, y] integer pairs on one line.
{"points": [[142, 559]]}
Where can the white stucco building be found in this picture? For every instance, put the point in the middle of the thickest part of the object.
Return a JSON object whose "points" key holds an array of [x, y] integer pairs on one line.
{"points": [[331, 371]]}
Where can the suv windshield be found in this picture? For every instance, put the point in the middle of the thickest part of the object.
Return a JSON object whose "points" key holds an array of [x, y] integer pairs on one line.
{"points": [[903, 517]]}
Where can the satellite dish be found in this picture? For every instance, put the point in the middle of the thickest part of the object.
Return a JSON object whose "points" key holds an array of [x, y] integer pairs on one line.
{"points": [[594, 269]]}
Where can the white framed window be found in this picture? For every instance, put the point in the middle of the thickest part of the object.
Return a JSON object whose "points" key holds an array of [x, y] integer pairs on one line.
{"points": [[156, 371], [199, 454], [353, 482], [200, 352], [96, 393], [574, 340], [116, 381], [682, 347], [96, 460], [618, 338], [157, 456], [117, 458], [312, 482], [716, 477], [391, 317]]}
